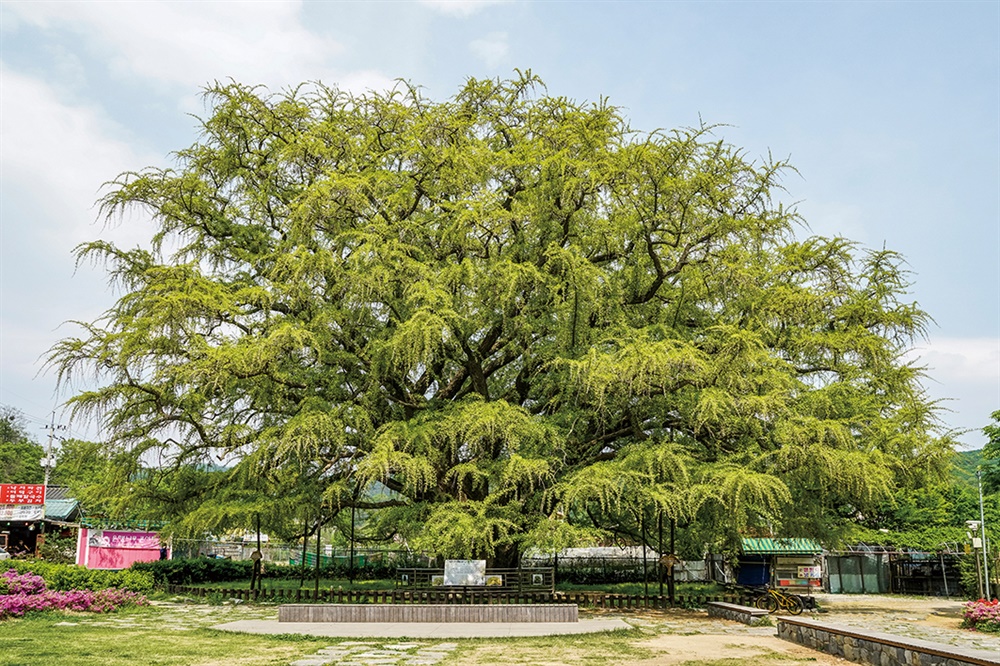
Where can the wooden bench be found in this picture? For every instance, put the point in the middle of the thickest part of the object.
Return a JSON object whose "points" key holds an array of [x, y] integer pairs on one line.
{"points": [[428, 613], [737, 613]]}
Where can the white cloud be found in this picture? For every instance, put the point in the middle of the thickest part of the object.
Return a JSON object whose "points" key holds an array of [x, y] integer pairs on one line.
{"points": [[54, 157], [964, 373], [966, 359], [461, 7], [57, 156], [491, 49], [190, 44]]}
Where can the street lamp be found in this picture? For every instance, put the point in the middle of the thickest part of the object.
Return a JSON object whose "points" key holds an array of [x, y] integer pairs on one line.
{"points": [[986, 543]]}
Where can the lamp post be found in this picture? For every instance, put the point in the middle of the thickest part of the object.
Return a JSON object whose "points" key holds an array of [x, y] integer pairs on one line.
{"points": [[986, 543], [977, 542]]}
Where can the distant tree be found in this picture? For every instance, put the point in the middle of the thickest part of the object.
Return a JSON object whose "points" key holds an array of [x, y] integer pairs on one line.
{"points": [[20, 455], [990, 465], [530, 323]]}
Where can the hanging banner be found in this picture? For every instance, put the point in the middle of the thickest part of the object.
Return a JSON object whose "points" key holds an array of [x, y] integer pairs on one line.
{"points": [[123, 540], [22, 493], [22, 512]]}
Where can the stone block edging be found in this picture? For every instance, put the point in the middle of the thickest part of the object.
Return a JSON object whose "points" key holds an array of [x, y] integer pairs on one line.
{"points": [[428, 613], [737, 613], [878, 649]]}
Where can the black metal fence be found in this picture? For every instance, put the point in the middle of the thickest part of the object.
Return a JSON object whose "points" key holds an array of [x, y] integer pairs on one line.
{"points": [[467, 596]]}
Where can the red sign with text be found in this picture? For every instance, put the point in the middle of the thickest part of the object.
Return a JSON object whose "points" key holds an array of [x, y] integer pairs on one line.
{"points": [[22, 493]]}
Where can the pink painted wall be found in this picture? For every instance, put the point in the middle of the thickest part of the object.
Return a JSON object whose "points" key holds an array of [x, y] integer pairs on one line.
{"points": [[94, 557], [119, 558]]}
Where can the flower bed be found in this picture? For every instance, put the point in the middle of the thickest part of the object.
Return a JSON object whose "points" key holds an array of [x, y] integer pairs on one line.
{"points": [[22, 593], [982, 615]]}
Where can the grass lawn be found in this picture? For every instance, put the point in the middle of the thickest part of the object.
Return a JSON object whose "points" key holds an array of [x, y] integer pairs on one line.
{"points": [[149, 636], [180, 634]]}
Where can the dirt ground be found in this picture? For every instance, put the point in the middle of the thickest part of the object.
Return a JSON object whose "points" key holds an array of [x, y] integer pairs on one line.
{"points": [[677, 648], [690, 638]]}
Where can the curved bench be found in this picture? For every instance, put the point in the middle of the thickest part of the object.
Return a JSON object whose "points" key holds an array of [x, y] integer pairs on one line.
{"points": [[736, 612]]}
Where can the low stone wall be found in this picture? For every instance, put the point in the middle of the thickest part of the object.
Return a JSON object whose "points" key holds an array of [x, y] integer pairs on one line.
{"points": [[428, 613], [869, 647], [737, 613]]}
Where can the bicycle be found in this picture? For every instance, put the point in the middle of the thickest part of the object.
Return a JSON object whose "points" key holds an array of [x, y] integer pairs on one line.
{"points": [[771, 600]]}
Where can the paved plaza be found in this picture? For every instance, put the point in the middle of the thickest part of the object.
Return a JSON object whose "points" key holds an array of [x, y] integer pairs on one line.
{"points": [[674, 636]]}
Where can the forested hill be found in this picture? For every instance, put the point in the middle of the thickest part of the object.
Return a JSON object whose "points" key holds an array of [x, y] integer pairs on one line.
{"points": [[964, 468]]}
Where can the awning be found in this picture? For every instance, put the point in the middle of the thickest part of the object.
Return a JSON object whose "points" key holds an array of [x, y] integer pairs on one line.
{"points": [[781, 547], [61, 509]]}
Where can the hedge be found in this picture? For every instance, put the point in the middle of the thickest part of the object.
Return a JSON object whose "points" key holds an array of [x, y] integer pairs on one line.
{"points": [[187, 571], [62, 577]]}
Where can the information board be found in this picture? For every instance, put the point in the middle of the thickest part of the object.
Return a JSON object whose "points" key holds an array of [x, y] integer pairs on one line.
{"points": [[22, 493], [465, 572]]}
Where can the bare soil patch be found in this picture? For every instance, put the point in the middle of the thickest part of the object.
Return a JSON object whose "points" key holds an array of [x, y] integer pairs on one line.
{"points": [[675, 649]]}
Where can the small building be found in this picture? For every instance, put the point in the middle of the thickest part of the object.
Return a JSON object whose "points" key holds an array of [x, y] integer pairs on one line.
{"points": [[795, 565], [877, 569], [24, 522], [116, 545]]}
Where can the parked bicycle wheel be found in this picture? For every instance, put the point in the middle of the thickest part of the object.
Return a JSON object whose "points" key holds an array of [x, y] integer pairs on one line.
{"points": [[766, 602], [794, 604]]}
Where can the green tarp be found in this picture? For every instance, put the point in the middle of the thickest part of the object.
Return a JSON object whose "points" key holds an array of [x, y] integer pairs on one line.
{"points": [[781, 547], [60, 509]]}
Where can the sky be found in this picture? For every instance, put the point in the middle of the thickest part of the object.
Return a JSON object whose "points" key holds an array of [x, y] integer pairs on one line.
{"points": [[890, 112]]}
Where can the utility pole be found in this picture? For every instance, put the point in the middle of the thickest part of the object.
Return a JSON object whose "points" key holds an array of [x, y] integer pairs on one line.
{"points": [[47, 464], [986, 543]]}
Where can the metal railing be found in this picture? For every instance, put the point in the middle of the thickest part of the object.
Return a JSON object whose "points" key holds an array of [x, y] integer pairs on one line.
{"points": [[535, 579]]}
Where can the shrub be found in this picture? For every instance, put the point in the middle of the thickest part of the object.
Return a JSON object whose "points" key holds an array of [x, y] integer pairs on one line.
{"points": [[25, 592], [967, 576], [72, 577], [982, 615], [13, 582], [194, 570]]}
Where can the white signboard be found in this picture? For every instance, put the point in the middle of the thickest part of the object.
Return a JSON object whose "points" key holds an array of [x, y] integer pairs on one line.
{"points": [[465, 572], [810, 572], [26, 512]]}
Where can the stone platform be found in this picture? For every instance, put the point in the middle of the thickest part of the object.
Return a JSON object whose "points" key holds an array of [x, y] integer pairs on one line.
{"points": [[423, 613]]}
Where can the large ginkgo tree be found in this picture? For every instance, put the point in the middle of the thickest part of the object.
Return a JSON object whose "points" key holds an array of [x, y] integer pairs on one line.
{"points": [[501, 321]]}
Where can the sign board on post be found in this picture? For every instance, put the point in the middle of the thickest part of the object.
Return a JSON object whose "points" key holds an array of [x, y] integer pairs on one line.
{"points": [[22, 493], [465, 572], [810, 572]]}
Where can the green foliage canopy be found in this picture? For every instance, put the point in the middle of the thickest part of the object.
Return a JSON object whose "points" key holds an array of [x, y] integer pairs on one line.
{"points": [[531, 323], [990, 463], [20, 455]]}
